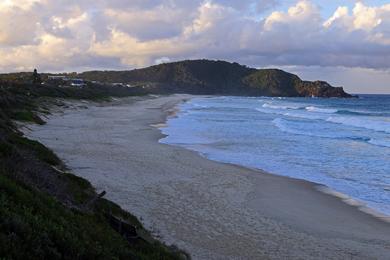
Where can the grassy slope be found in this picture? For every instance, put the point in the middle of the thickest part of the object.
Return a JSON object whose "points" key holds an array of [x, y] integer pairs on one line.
{"points": [[43, 212]]}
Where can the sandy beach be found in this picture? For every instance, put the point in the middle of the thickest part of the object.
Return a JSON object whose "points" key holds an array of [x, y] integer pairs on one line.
{"points": [[209, 209]]}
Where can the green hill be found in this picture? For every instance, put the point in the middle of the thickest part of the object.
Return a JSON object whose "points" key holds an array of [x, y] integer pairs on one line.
{"points": [[216, 77]]}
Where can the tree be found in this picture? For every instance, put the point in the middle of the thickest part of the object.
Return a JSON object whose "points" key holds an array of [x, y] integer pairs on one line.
{"points": [[36, 78]]}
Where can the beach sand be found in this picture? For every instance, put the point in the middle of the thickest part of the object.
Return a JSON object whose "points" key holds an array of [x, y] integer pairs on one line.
{"points": [[212, 210]]}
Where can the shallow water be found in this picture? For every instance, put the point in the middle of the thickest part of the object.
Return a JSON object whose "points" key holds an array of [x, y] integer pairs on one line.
{"points": [[341, 143]]}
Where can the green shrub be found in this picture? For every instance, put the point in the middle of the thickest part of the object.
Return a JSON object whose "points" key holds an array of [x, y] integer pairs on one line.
{"points": [[42, 152], [27, 116], [35, 226], [81, 189]]}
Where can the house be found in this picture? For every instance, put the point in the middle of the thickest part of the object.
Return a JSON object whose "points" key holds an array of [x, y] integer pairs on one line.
{"points": [[56, 80], [118, 84], [77, 83], [64, 78]]}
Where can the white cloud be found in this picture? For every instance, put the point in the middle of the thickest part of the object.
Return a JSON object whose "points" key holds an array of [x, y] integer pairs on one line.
{"points": [[69, 35], [340, 15], [18, 25], [299, 14], [162, 60], [365, 17]]}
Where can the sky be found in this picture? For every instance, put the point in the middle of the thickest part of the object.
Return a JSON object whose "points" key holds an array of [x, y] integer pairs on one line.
{"points": [[345, 42]]}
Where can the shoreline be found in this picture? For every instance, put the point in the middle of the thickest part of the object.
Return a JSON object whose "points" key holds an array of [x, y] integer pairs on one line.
{"points": [[323, 188], [350, 201], [268, 210]]}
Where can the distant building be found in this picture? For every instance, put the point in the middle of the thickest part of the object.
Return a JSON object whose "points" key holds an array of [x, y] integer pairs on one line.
{"points": [[77, 83], [56, 80], [118, 84], [125, 85], [65, 81], [64, 78]]}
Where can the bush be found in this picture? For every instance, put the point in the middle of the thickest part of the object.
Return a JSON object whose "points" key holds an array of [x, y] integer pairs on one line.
{"points": [[36, 226], [42, 152], [27, 116]]}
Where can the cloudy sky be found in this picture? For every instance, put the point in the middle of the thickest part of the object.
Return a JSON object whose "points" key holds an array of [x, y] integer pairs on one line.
{"points": [[345, 42]]}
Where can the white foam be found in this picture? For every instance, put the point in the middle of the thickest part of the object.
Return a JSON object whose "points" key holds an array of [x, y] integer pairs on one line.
{"points": [[199, 105], [321, 110], [379, 124], [268, 105], [289, 114], [304, 116], [293, 113], [362, 206]]}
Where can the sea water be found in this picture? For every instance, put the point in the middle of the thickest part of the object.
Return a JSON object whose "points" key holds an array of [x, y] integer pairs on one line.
{"points": [[341, 143]]}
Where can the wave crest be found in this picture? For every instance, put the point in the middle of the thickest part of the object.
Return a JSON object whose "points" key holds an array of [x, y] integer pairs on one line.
{"points": [[321, 110], [267, 105]]}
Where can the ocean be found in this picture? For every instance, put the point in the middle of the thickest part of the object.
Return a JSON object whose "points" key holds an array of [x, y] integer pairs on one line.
{"points": [[341, 143]]}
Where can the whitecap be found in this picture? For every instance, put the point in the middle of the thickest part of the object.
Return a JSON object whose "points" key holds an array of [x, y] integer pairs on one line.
{"points": [[268, 105], [321, 110]]}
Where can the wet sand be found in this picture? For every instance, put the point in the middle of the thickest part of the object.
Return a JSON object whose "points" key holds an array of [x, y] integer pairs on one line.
{"points": [[210, 209]]}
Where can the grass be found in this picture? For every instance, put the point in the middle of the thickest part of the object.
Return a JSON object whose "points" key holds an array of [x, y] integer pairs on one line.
{"points": [[35, 226], [41, 151], [81, 190], [27, 116]]}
